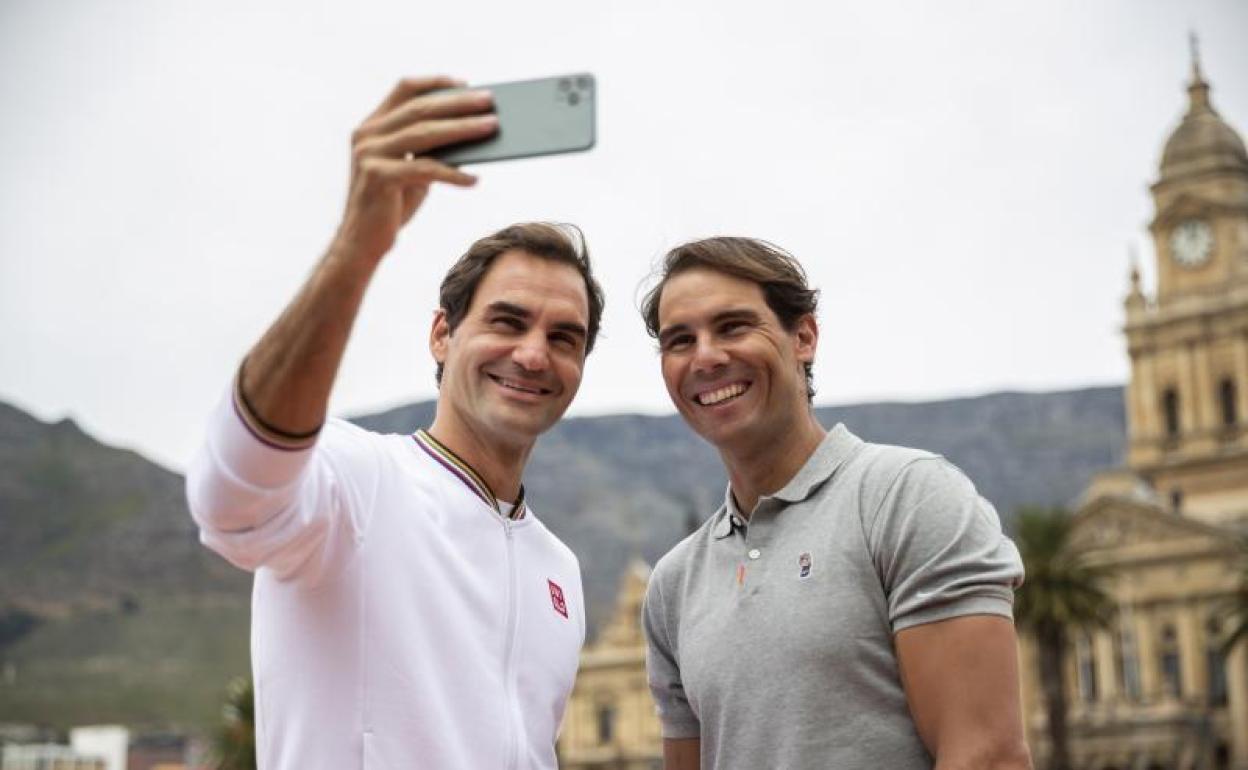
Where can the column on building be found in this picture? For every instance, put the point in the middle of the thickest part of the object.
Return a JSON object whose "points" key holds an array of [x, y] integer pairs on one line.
{"points": [[1146, 645], [1206, 401], [1241, 376], [1106, 666], [1192, 652], [1188, 393], [1150, 407], [1237, 702]]}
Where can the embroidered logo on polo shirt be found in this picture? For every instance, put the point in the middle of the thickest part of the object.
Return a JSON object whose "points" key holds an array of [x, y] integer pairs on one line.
{"points": [[556, 598], [803, 565]]}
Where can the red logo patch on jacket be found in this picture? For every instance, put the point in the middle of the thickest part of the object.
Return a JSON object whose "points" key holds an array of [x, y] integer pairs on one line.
{"points": [[556, 598]]}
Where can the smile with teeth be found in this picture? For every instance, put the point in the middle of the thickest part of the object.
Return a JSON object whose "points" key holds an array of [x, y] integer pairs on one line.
{"points": [[532, 390], [720, 395]]}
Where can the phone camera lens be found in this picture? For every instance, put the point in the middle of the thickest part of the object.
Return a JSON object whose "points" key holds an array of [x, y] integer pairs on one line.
{"points": [[574, 98], [582, 82], [565, 84]]}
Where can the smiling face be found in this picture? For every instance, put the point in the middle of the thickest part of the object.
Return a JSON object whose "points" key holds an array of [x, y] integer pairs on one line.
{"points": [[513, 364], [731, 368]]}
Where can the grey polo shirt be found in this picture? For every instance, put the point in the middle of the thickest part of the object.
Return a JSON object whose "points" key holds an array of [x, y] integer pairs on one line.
{"points": [[772, 640]]}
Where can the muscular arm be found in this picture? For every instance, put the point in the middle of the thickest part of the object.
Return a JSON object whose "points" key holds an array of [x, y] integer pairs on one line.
{"points": [[961, 681], [682, 753], [288, 375]]}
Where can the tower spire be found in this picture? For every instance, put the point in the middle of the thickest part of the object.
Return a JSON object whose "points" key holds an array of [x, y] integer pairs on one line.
{"points": [[1198, 89], [1133, 265], [1194, 44], [1135, 302]]}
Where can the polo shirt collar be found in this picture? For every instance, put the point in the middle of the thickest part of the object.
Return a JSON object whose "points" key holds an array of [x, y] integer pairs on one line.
{"points": [[724, 526], [831, 453]]}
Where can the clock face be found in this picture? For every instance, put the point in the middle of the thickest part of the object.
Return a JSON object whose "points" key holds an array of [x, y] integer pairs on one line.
{"points": [[1191, 243]]}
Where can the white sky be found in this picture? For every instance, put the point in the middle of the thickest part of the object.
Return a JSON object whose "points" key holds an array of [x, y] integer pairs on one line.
{"points": [[961, 179]]}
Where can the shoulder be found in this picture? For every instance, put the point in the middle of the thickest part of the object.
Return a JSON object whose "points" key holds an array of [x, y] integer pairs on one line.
{"points": [[346, 440], [877, 469], [340, 433], [896, 481]]}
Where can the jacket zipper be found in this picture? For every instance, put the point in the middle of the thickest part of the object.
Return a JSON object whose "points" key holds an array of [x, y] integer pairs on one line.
{"points": [[509, 650]]}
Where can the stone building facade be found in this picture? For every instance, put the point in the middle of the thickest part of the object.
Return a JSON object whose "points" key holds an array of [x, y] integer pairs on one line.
{"points": [[1155, 690], [610, 722]]}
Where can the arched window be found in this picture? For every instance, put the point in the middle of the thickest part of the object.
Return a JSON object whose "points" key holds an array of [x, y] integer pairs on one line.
{"points": [[606, 723], [1171, 670], [1226, 398], [1215, 659], [1170, 412], [1085, 657]]}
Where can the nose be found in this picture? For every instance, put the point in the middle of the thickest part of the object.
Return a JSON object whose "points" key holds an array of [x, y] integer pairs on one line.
{"points": [[707, 356], [532, 353]]}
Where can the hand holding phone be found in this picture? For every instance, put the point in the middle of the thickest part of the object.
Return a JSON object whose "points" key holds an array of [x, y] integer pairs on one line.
{"points": [[535, 117]]}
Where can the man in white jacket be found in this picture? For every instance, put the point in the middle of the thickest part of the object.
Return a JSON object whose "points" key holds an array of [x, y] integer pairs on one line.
{"points": [[408, 609]]}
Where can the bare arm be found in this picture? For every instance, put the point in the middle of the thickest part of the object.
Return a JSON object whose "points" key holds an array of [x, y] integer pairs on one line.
{"points": [[682, 753], [288, 375], [961, 681]]}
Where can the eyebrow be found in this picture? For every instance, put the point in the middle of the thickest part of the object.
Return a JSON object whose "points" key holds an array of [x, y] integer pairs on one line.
{"points": [[731, 314], [519, 311]]}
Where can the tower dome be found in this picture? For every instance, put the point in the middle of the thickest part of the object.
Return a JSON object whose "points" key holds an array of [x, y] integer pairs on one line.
{"points": [[1203, 142]]}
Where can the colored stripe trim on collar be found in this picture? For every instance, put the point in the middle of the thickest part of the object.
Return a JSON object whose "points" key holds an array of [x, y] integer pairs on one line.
{"points": [[465, 473]]}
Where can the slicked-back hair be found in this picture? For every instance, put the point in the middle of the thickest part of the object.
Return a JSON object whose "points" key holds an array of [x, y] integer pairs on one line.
{"points": [[562, 243], [776, 271]]}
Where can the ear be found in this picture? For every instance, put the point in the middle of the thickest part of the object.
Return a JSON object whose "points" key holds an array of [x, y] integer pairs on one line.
{"points": [[439, 336], [806, 338]]}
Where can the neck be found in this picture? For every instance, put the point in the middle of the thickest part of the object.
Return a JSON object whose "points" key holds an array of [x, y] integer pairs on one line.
{"points": [[764, 467], [500, 464]]}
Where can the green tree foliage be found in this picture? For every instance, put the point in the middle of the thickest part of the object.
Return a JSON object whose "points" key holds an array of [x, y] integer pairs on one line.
{"points": [[235, 742], [1062, 592], [1237, 605]]}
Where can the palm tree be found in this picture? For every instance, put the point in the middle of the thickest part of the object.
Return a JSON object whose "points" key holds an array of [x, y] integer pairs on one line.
{"points": [[1237, 605], [1062, 592], [235, 742]]}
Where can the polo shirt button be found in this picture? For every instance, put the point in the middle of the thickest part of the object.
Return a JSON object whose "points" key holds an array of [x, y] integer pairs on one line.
{"points": [[754, 553]]}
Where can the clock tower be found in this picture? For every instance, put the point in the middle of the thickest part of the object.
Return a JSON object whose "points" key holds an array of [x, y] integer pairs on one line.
{"points": [[1186, 401]]}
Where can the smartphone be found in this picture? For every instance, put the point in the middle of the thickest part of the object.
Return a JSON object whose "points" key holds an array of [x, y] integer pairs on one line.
{"points": [[535, 117]]}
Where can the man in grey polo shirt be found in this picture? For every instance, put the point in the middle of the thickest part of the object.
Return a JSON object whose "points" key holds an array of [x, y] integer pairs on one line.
{"points": [[850, 604]]}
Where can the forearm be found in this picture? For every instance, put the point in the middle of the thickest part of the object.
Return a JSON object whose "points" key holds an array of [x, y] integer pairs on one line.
{"points": [[288, 375], [682, 753]]}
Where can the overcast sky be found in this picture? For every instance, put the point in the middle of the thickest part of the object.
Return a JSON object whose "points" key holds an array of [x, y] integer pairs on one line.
{"points": [[962, 180]]}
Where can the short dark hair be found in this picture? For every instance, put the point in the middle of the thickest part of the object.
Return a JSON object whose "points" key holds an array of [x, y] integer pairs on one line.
{"points": [[562, 243], [776, 271]]}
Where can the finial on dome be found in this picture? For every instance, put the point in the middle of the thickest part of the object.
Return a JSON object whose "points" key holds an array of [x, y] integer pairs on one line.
{"points": [[1133, 259], [1198, 89], [1194, 43]]}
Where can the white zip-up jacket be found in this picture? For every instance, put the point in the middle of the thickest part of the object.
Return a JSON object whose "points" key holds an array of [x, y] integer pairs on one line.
{"points": [[398, 620]]}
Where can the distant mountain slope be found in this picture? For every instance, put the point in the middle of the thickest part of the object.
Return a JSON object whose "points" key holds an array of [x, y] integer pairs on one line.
{"points": [[82, 522], [110, 610]]}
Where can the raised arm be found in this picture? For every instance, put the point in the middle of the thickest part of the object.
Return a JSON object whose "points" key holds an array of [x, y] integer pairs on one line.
{"points": [[286, 379]]}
